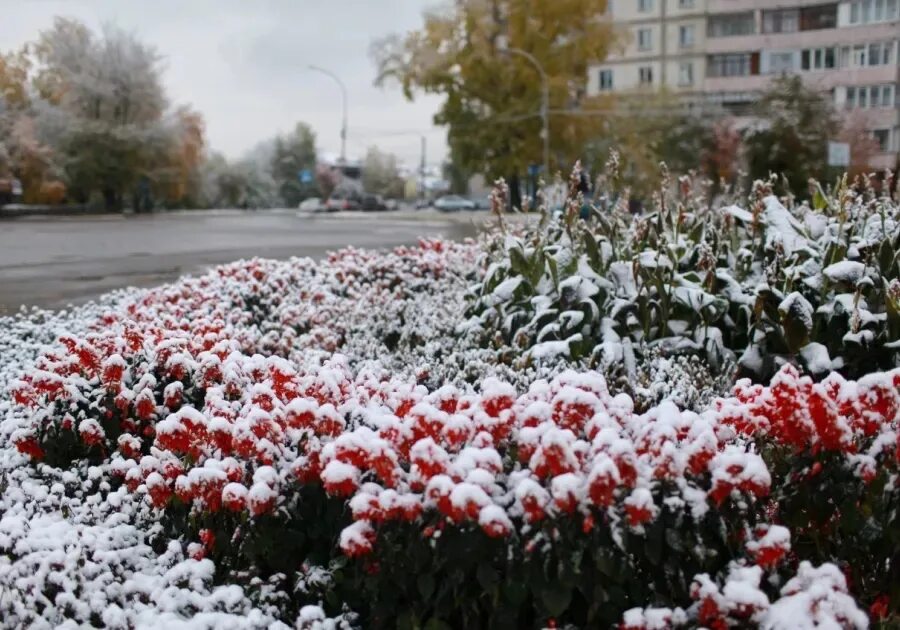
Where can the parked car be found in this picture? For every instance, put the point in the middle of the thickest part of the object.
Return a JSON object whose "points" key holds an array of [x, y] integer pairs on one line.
{"points": [[313, 204], [452, 203], [481, 203], [342, 203], [373, 202]]}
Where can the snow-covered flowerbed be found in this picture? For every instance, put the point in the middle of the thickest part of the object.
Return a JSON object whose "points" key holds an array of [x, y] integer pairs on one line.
{"points": [[313, 444]]}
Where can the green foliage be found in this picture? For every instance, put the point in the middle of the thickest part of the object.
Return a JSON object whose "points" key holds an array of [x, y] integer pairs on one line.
{"points": [[293, 153], [814, 286], [796, 123], [380, 174]]}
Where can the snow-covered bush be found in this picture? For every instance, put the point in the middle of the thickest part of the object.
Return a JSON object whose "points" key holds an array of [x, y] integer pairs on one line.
{"points": [[815, 286], [238, 427]]}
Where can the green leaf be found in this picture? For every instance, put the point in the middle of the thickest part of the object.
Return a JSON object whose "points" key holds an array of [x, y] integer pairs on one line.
{"points": [[820, 202], [486, 575], [556, 598], [886, 257], [514, 592], [593, 252], [554, 273], [517, 261], [406, 620], [436, 624], [426, 585]]}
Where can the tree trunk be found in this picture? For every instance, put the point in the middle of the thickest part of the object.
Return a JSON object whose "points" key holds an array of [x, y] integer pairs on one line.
{"points": [[112, 199], [515, 194]]}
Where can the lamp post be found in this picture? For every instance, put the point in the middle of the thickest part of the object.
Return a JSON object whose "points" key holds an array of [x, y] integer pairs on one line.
{"points": [[545, 102], [343, 108]]}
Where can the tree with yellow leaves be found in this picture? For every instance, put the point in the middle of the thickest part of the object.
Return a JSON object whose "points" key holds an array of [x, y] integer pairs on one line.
{"points": [[492, 98]]}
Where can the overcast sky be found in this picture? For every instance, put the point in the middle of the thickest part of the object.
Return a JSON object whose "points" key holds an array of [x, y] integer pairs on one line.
{"points": [[243, 64]]}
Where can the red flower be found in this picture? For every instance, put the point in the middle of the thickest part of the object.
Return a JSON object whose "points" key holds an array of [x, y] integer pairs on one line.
{"points": [[29, 446], [880, 607], [357, 539], [208, 539]]}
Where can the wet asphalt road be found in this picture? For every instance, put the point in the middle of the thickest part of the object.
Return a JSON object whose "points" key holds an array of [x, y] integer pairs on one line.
{"points": [[53, 262]]}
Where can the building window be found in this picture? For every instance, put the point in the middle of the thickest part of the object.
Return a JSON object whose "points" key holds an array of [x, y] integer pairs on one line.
{"points": [[781, 21], [645, 39], [869, 11], [685, 73], [883, 138], [606, 80], [686, 36], [645, 75], [733, 65], [862, 55], [731, 25], [867, 96], [781, 62], [818, 58], [803, 19], [818, 17], [880, 53], [685, 4], [645, 6]]}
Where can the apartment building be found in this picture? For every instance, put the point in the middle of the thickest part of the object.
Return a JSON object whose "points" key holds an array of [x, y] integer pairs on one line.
{"points": [[727, 51]]}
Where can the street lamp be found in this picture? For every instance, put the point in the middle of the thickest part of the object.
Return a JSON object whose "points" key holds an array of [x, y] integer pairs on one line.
{"points": [[545, 102], [344, 109]]}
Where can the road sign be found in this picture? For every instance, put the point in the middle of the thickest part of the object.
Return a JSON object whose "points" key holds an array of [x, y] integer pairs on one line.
{"points": [[838, 154], [305, 176], [533, 170]]}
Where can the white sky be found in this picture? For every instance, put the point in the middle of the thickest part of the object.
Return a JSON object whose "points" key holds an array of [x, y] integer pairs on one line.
{"points": [[243, 64]]}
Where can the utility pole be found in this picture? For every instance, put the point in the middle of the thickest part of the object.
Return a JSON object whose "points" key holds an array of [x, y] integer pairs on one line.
{"points": [[422, 172], [343, 108]]}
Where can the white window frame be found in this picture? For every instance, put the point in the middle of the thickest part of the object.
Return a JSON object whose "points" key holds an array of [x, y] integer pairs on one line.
{"points": [[683, 30], [645, 6], [686, 74], [641, 44], [782, 55], [600, 83], [645, 75], [888, 144], [685, 4]]}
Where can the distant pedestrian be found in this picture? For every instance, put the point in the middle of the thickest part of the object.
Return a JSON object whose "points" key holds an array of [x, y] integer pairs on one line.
{"points": [[584, 187]]}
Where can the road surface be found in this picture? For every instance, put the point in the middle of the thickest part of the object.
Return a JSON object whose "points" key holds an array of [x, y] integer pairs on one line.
{"points": [[53, 262]]}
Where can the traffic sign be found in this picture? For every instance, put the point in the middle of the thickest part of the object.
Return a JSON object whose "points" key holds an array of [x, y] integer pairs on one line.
{"points": [[838, 154], [305, 176]]}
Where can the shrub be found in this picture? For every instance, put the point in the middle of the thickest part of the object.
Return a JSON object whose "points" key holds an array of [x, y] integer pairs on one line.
{"points": [[816, 286], [478, 508]]}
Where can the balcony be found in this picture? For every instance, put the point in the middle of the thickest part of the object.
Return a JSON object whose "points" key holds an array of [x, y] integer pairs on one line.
{"points": [[801, 39]]}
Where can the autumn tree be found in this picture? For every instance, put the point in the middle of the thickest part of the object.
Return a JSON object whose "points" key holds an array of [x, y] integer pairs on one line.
{"points": [[109, 92], [25, 155], [795, 124], [180, 179], [293, 153], [863, 146], [647, 127], [380, 173], [724, 154], [492, 98]]}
